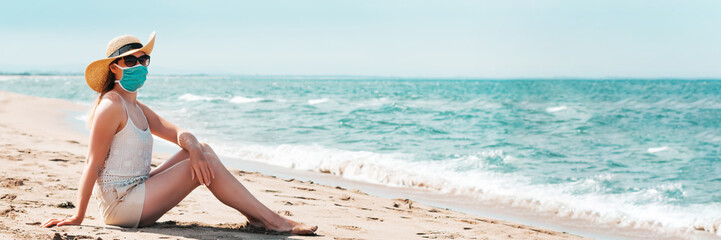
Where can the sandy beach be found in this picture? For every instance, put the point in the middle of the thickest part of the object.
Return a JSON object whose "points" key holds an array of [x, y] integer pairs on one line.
{"points": [[43, 156]]}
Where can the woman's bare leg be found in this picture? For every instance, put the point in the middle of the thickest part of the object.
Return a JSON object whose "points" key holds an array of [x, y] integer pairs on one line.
{"points": [[232, 193], [166, 189]]}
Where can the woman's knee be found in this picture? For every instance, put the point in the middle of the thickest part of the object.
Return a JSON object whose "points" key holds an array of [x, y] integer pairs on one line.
{"points": [[205, 147], [211, 157], [208, 151]]}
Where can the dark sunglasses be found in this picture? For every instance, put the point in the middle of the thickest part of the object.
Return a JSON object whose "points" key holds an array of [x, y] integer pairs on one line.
{"points": [[131, 60]]}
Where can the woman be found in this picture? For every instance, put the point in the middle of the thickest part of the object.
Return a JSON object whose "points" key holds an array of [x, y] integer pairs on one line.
{"points": [[128, 192]]}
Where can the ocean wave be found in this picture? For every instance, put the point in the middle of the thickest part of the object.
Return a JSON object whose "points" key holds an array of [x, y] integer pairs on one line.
{"points": [[38, 78], [192, 98], [657, 149], [582, 198], [317, 101], [373, 102], [239, 99], [556, 109], [7, 78], [668, 103], [709, 136]]}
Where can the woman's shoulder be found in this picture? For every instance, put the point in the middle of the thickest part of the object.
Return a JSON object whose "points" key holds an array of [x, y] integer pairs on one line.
{"points": [[112, 98], [110, 104], [111, 95]]}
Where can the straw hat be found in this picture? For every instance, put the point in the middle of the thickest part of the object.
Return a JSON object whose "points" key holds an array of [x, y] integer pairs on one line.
{"points": [[97, 72]]}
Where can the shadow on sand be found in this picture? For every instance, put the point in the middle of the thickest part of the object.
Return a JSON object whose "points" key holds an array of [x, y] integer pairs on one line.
{"points": [[198, 230]]}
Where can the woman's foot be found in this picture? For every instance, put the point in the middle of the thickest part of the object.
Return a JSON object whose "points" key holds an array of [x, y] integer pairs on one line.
{"points": [[289, 226], [302, 229]]}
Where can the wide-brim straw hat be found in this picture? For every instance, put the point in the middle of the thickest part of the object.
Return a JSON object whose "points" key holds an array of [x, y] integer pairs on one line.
{"points": [[97, 72]]}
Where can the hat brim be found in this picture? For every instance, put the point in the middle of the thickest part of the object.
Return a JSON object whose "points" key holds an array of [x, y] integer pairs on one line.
{"points": [[96, 73]]}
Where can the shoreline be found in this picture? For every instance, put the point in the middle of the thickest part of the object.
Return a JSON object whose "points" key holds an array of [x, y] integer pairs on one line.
{"points": [[44, 158]]}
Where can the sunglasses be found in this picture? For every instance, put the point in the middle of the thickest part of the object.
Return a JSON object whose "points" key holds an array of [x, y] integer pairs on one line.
{"points": [[131, 60]]}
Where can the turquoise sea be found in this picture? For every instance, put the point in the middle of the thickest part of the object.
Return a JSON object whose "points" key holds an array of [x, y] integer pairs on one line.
{"points": [[637, 154]]}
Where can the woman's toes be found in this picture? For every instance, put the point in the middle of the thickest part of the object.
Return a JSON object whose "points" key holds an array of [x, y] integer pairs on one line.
{"points": [[302, 229]]}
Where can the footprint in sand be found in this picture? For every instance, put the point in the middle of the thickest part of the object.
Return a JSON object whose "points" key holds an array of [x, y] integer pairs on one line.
{"points": [[305, 198], [468, 221], [348, 227], [439, 235], [9, 197], [293, 203], [305, 189], [70, 236], [400, 202], [298, 197], [11, 212], [12, 182]]}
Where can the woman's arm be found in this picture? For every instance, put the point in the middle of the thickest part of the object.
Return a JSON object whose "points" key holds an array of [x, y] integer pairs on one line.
{"points": [[164, 129], [108, 115]]}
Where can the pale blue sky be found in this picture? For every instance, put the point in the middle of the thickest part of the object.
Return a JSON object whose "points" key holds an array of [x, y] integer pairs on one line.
{"points": [[486, 39]]}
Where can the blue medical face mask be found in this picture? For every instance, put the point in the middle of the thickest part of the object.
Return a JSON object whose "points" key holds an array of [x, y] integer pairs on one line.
{"points": [[133, 77]]}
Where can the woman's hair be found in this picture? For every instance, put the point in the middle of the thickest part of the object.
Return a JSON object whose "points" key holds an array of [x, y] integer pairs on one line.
{"points": [[107, 86]]}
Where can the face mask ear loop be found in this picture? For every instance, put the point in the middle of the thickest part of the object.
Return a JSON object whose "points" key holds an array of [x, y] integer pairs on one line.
{"points": [[121, 86], [121, 70]]}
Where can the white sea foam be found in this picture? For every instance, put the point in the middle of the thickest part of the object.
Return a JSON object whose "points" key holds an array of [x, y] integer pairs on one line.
{"points": [[482, 104], [317, 101], [643, 209], [239, 99], [7, 78], [37, 78], [709, 136], [657, 149], [556, 109], [373, 102], [191, 98]]}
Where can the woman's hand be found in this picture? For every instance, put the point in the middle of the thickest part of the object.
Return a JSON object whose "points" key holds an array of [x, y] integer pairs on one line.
{"points": [[200, 167], [74, 220]]}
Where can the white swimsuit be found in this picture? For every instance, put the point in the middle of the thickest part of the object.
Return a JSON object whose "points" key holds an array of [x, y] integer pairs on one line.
{"points": [[120, 188]]}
